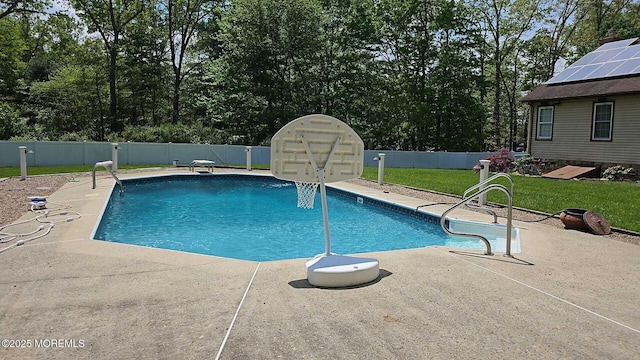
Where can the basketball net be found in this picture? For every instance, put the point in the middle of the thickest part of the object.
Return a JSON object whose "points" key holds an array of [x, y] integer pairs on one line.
{"points": [[306, 194]]}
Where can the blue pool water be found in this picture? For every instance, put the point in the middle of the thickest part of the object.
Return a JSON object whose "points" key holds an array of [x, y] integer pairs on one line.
{"points": [[256, 218]]}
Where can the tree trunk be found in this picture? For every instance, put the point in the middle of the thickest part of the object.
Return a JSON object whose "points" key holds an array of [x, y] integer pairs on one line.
{"points": [[113, 96], [483, 90], [154, 102], [176, 97], [496, 103], [100, 112]]}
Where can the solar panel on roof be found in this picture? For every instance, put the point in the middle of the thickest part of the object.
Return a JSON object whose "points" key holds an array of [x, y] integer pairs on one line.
{"points": [[587, 59], [563, 75], [583, 72], [604, 69], [616, 58], [627, 67], [608, 55], [628, 53], [617, 44]]}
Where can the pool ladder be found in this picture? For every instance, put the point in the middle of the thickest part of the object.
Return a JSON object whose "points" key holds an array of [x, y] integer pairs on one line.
{"points": [[473, 193], [106, 165]]}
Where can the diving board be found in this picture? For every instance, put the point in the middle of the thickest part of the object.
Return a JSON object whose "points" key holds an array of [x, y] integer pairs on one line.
{"points": [[202, 163]]}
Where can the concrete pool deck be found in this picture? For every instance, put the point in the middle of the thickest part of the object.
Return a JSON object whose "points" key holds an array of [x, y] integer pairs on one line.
{"points": [[568, 294]]}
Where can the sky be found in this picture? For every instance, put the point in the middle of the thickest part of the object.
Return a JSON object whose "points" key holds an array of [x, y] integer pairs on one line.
{"points": [[62, 5]]}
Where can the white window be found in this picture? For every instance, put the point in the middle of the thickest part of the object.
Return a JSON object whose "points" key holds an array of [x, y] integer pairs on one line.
{"points": [[545, 123], [602, 121]]}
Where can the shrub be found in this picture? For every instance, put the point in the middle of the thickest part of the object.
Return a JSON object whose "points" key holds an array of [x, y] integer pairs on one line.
{"points": [[75, 136], [11, 124], [501, 161], [175, 133], [528, 166], [620, 173]]}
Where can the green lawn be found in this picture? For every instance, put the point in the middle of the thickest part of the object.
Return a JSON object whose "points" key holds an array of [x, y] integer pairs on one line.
{"points": [[43, 170], [618, 202]]}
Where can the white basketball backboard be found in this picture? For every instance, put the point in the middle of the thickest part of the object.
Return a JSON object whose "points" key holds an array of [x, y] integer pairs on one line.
{"points": [[327, 138]]}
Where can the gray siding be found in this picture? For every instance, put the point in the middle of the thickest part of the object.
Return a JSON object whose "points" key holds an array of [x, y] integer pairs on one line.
{"points": [[572, 133]]}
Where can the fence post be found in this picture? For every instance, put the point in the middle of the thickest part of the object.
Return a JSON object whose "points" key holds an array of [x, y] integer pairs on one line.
{"points": [[114, 156], [484, 174], [248, 150], [380, 159], [23, 162]]}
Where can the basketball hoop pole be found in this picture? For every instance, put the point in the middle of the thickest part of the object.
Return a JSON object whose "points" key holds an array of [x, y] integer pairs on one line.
{"points": [[325, 213], [323, 190]]}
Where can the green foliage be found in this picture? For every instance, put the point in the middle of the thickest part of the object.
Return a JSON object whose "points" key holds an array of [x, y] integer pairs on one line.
{"points": [[602, 19], [506, 25], [265, 77], [183, 19], [110, 20], [285, 59], [68, 103], [11, 50], [528, 166], [435, 89], [620, 173], [51, 42], [11, 124], [63, 169], [405, 74], [144, 85], [15, 7], [175, 133]]}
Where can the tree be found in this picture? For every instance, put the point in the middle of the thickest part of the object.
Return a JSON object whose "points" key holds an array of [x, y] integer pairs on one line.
{"points": [[183, 19], [347, 73], [110, 19], [431, 67], [8, 7], [459, 114], [145, 88], [602, 19], [52, 41], [410, 54], [11, 125], [506, 23], [68, 102], [12, 48], [265, 72]]}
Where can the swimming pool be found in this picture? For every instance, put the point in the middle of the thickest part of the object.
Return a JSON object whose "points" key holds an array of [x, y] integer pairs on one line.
{"points": [[256, 218]]}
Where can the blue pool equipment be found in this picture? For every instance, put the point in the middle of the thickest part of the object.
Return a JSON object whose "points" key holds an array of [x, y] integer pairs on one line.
{"points": [[37, 202]]}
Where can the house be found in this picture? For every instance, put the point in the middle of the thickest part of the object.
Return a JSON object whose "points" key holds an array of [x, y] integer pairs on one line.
{"points": [[589, 114]]}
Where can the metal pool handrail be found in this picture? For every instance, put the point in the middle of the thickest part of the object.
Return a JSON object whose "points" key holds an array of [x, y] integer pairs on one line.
{"points": [[484, 239], [105, 164], [498, 175], [481, 185]]}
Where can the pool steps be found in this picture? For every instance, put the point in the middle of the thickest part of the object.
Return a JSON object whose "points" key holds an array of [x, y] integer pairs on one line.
{"points": [[468, 196]]}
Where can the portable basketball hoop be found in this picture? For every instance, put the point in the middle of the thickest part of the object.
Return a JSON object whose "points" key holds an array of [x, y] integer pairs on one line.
{"points": [[311, 151]]}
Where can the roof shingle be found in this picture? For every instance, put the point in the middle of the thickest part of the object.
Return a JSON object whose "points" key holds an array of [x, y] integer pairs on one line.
{"points": [[601, 87]]}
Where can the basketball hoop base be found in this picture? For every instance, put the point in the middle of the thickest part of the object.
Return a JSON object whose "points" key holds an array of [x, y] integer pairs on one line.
{"points": [[340, 271]]}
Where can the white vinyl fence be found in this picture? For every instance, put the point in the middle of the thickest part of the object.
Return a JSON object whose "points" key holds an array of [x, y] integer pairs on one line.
{"points": [[51, 153]]}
